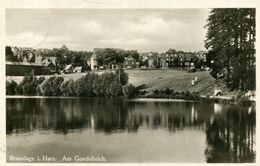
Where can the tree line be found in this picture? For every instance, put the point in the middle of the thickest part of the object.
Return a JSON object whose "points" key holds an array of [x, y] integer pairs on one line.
{"points": [[109, 84], [63, 56], [105, 57], [230, 42]]}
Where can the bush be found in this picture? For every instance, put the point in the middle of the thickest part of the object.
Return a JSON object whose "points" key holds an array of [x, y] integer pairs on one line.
{"points": [[27, 86], [18, 89], [102, 83], [171, 94], [40, 80], [10, 87], [84, 85], [68, 88], [106, 84], [51, 87], [39, 83], [244, 101], [115, 89], [130, 91], [122, 76]]}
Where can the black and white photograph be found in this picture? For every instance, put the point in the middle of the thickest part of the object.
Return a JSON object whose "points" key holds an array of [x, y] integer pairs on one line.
{"points": [[130, 85]]}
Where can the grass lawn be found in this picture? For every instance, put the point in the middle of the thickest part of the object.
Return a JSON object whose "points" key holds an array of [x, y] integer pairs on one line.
{"points": [[172, 79]]}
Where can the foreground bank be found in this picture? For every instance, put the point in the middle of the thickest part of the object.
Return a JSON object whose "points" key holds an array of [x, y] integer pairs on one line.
{"points": [[143, 84]]}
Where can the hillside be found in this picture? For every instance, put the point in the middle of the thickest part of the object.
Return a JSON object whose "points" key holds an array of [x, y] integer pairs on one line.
{"points": [[161, 79], [172, 79]]}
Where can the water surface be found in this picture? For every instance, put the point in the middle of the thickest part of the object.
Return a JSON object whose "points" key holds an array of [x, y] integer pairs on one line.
{"points": [[128, 131]]}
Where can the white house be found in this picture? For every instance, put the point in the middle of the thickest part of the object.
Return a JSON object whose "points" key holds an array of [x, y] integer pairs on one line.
{"points": [[93, 60]]}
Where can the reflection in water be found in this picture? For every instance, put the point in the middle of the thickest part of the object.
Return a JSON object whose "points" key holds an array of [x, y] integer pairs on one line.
{"points": [[231, 137], [229, 130]]}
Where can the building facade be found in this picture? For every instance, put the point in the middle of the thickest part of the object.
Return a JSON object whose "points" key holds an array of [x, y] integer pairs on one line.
{"points": [[130, 62]]}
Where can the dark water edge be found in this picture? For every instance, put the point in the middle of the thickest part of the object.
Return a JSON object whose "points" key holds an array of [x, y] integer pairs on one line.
{"points": [[219, 133], [201, 98]]}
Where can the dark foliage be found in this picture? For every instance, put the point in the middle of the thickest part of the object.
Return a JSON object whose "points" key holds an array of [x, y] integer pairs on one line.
{"points": [[10, 87], [231, 47], [130, 91]]}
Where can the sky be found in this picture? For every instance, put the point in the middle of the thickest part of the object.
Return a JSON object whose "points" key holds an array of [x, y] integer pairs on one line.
{"points": [[84, 29]]}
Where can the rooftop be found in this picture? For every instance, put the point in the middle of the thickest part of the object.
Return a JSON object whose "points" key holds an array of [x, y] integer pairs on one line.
{"points": [[22, 63]]}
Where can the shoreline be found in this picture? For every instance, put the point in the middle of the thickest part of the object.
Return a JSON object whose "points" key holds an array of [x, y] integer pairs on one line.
{"points": [[137, 99], [142, 99]]}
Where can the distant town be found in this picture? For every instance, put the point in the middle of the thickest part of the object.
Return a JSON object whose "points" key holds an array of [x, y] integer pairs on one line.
{"points": [[23, 60]]}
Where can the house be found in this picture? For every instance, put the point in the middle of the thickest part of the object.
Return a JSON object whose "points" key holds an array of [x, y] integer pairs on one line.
{"points": [[23, 68], [17, 52], [78, 69], [115, 66], [188, 61], [163, 63], [143, 57], [49, 62], [130, 62], [152, 63], [201, 55], [68, 69], [50, 59], [93, 60], [150, 59], [38, 59], [53, 59], [51, 66]]}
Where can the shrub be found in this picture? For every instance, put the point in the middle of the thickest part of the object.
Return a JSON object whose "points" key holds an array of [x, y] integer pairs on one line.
{"points": [[18, 89], [168, 91], [130, 91], [122, 76], [187, 95], [27, 86], [68, 88], [156, 92], [84, 85], [142, 93], [10, 87], [51, 87], [114, 89], [106, 84], [244, 101], [102, 84], [40, 80]]}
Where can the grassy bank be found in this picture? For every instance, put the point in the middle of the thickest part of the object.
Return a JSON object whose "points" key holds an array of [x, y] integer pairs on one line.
{"points": [[157, 79], [157, 84], [172, 79]]}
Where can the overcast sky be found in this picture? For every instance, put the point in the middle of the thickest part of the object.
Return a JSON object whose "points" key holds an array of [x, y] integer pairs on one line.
{"points": [[85, 29]]}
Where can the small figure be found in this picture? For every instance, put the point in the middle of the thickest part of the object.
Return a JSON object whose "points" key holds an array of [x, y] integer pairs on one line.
{"points": [[196, 79], [192, 82]]}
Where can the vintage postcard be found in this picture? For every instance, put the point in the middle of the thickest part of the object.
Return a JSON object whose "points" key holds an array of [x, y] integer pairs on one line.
{"points": [[107, 82]]}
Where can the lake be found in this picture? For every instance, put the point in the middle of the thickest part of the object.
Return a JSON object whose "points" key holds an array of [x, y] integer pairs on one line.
{"points": [[119, 130]]}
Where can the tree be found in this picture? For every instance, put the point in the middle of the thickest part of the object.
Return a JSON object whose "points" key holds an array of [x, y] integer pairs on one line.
{"points": [[133, 53], [110, 56], [9, 55], [231, 45], [10, 87], [122, 76], [198, 63]]}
